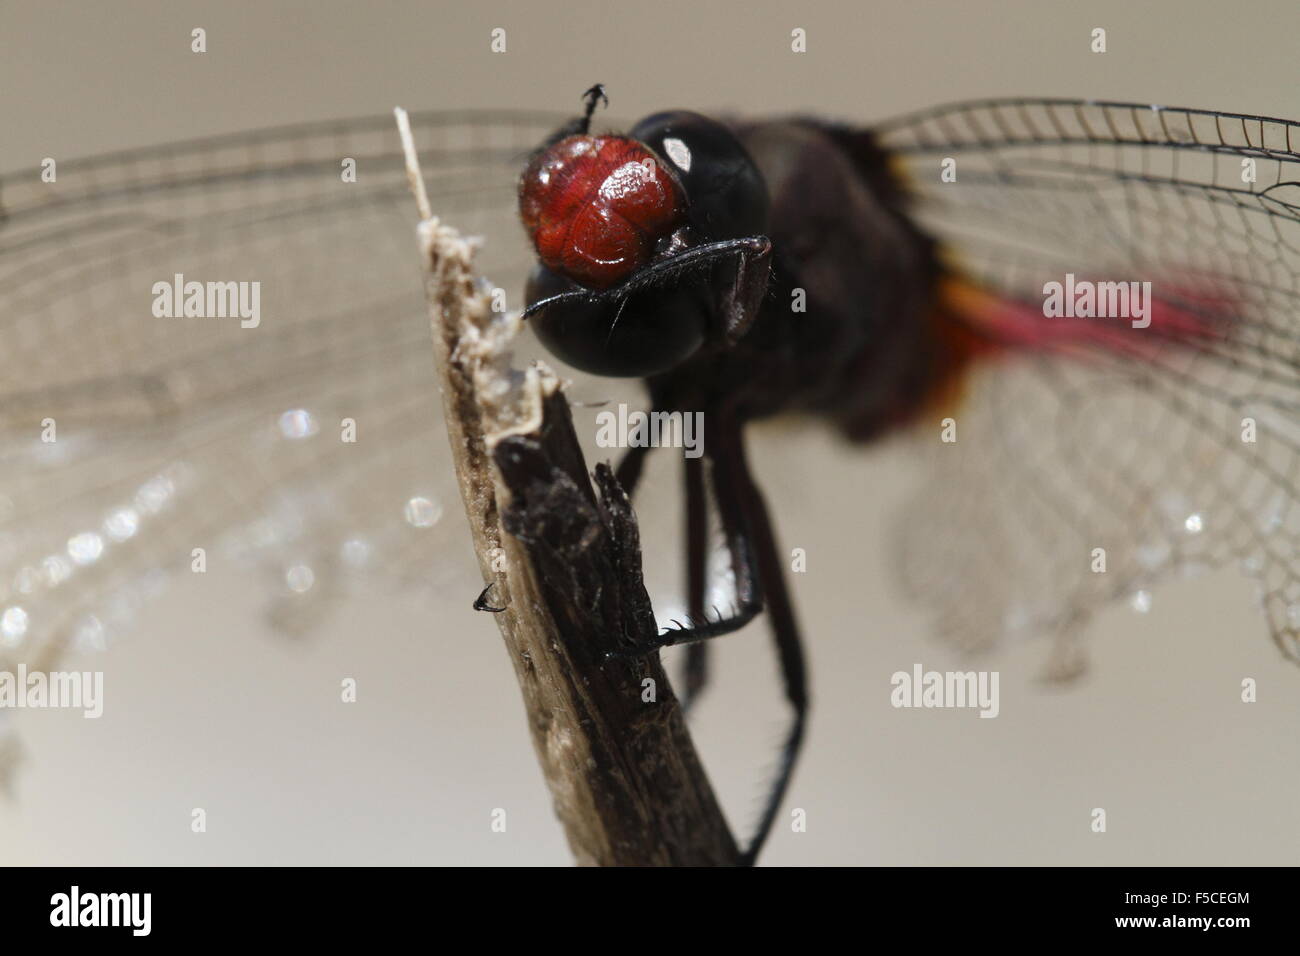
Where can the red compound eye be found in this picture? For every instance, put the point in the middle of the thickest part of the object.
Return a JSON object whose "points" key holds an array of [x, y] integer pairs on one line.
{"points": [[594, 207]]}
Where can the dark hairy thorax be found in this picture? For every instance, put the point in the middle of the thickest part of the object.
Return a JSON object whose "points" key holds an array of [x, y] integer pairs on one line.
{"points": [[865, 351]]}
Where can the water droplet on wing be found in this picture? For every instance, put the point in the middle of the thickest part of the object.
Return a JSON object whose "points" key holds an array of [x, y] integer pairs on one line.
{"points": [[422, 512]]}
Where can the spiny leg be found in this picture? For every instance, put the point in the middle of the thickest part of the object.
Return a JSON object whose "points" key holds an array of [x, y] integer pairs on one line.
{"points": [[481, 602], [697, 553], [789, 647], [730, 491], [629, 473], [759, 572]]}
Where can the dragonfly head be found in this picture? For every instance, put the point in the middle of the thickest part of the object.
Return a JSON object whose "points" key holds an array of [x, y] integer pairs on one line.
{"points": [[628, 230]]}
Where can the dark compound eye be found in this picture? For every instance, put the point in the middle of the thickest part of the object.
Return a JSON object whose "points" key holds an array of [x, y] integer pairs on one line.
{"points": [[640, 334], [726, 195]]}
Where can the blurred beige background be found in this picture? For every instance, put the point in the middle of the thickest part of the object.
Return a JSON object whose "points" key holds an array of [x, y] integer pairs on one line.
{"points": [[1156, 733]]}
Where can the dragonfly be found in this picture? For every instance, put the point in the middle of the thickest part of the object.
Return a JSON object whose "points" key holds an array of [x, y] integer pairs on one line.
{"points": [[133, 443]]}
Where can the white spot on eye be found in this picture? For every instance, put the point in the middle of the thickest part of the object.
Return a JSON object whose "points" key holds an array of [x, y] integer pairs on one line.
{"points": [[422, 512], [1193, 524], [297, 423], [1293, 614], [13, 626], [85, 548], [678, 152], [122, 524], [300, 578], [1141, 601]]}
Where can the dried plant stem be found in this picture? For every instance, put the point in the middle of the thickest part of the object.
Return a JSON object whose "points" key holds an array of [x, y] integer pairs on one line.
{"points": [[610, 735]]}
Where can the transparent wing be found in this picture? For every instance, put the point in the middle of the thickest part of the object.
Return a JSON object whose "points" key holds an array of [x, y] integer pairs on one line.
{"points": [[310, 444], [1147, 454]]}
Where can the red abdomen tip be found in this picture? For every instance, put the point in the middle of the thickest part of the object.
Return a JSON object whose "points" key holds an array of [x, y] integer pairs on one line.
{"points": [[594, 207]]}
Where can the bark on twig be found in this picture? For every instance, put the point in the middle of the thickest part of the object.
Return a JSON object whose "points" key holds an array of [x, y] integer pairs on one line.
{"points": [[628, 786]]}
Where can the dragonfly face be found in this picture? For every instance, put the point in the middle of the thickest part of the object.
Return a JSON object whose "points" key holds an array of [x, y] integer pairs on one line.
{"points": [[631, 231]]}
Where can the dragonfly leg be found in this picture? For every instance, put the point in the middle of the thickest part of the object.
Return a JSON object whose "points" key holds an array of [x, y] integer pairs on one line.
{"points": [[696, 675], [794, 675], [629, 472], [749, 597], [481, 602], [731, 491], [757, 565]]}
